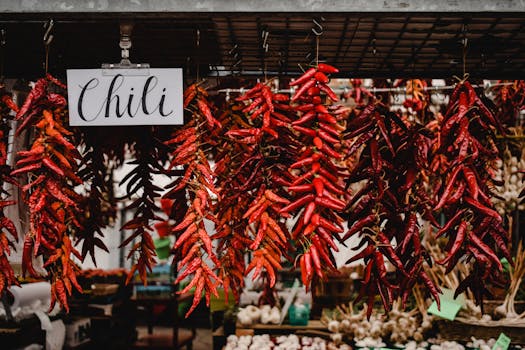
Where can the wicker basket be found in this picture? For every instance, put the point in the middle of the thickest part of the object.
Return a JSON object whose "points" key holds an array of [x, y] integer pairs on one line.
{"points": [[463, 329]]}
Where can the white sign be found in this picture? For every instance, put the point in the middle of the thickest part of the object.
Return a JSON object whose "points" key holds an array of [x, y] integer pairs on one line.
{"points": [[105, 97]]}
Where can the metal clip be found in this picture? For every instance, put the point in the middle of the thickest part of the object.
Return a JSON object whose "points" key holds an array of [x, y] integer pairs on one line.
{"points": [[125, 67]]}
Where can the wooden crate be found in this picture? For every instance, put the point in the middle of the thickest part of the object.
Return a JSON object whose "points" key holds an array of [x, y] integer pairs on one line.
{"points": [[463, 329]]}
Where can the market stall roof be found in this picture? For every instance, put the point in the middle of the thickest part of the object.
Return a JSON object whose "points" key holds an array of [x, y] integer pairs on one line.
{"points": [[364, 38]]}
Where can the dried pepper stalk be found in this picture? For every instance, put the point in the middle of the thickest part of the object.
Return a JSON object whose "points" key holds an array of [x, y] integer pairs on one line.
{"points": [[50, 166], [99, 203], [473, 228], [8, 233], [139, 185], [192, 194], [263, 148], [316, 188]]}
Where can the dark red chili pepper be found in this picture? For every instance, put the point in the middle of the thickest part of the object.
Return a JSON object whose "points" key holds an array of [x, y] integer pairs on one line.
{"points": [[386, 247], [470, 176], [365, 253], [483, 209], [410, 230], [359, 225], [448, 188], [458, 242]]}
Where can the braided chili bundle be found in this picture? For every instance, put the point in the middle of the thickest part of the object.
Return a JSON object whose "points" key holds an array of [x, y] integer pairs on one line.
{"points": [[232, 170], [316, 187], [473, 228], [509, 99], [8, 233], [409, 179], [258, 174], [194, 189], [50, 168], [385, 209]]}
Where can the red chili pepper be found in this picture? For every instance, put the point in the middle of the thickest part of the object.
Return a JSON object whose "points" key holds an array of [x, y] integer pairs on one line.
{"points": [[318, 185], [365, 253], [434, 290], [301, 188], [330, 152], [316, 261], [327, 137], [327, 202], [327, 118], [298, 203], [326, 236], [410, 230], [451, 223], [308, 269], [458, 194], [483, 209], [322, 252], [305, 131], [318, 143], [359, 225], [486, 250], [305, 77], [321, 77], [329, 92], [329, 225], [303, 89], [470, 176], [302, 265], [448, 188], [387, 248], [305, 118], [326, 68], [458, 242], [309, 210]]}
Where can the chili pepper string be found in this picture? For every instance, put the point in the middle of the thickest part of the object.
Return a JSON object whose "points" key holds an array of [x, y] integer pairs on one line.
{"points": [[266, 149], [316, 189], [189, 147], [509, 99], [390, 159], [49, 169], [99, 204], [8, 232], [465, 152]]}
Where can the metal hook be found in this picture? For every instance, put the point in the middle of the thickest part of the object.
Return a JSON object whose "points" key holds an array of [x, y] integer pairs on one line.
{"points": [[317, 29], [264, 37], [198, 37], [48, 37]]}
